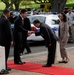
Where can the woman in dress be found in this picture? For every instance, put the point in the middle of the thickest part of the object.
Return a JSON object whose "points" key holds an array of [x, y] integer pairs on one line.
{"points": [[63, 37]]}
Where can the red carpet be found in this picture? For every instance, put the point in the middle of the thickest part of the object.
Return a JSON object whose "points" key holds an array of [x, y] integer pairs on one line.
{"points": [[33, 67]]}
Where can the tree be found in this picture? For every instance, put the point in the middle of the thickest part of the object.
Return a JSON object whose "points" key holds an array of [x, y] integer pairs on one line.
{"points": [[41, 1], [7, 3], [16, 3], [26, 3], [56, 5]]}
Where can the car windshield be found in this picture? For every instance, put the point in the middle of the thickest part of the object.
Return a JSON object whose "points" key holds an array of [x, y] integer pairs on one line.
{"points": [[55, 21], [40, 18]]}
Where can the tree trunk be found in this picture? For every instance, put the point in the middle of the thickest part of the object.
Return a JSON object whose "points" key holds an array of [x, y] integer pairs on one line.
{"points": [[17, 3], [16, 7], [57, 5], [11, 7], [62, 5], [7, 5]]}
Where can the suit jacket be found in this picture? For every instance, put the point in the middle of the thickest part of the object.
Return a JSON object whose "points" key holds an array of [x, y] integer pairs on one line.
{"points": [[47, 33], [5, 31], [20, 28], [63, 31], [11, 19], [27, 26]]}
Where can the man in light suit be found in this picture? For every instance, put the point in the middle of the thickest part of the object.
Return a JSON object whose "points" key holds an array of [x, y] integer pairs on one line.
{"points": [[6, 37], [50, 40]]}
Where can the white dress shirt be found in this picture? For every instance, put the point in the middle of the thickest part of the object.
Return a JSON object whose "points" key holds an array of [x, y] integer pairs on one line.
{"points": [[70, 18]]}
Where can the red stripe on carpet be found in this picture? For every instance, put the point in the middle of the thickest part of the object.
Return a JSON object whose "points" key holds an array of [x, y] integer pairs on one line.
{"points": [[33, 67]]}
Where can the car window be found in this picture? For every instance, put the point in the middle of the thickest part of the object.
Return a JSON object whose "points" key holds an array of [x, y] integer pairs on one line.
{"points": [[40, 18], [54, 21]]}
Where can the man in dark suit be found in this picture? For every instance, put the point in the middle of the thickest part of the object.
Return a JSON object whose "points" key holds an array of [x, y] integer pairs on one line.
{"points": [[6, 38], [27, 26], [50, 40], [21, 28], [11, 18]]}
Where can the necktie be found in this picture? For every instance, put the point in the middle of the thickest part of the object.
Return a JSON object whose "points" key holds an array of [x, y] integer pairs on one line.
{"points": [[23, 22]]}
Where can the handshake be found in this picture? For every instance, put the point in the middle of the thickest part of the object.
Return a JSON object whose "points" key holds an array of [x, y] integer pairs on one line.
{"points": [[30, 32], [33, 30]]}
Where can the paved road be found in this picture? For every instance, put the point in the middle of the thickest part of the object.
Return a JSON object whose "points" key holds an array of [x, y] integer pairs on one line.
{"points": [[38, 47]]}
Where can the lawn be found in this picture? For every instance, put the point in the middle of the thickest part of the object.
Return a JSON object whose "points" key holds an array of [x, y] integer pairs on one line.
{"points": [[33, 5]]}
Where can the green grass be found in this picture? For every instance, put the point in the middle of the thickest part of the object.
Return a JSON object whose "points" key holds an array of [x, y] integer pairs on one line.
{"points": [[33, 5]]}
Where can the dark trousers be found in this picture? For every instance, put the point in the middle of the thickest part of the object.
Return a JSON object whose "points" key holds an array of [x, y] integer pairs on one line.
{"points": [[51, 53], [25, 46], [70, 32], [7, 50], [16, 51]]}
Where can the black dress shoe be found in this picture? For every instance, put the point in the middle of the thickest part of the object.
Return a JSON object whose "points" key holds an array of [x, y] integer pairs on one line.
{"points": [[28, 53], [8, 69], [47, 65], [4, 72], [63, 61], [21, 63]]}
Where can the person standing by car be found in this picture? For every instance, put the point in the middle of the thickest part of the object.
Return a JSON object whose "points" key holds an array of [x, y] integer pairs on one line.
{"points": [[21, 30], [11, 18], [50, 40], [70, 18], [27, 26], [63, 37], [34, 12], [6, 37]]}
